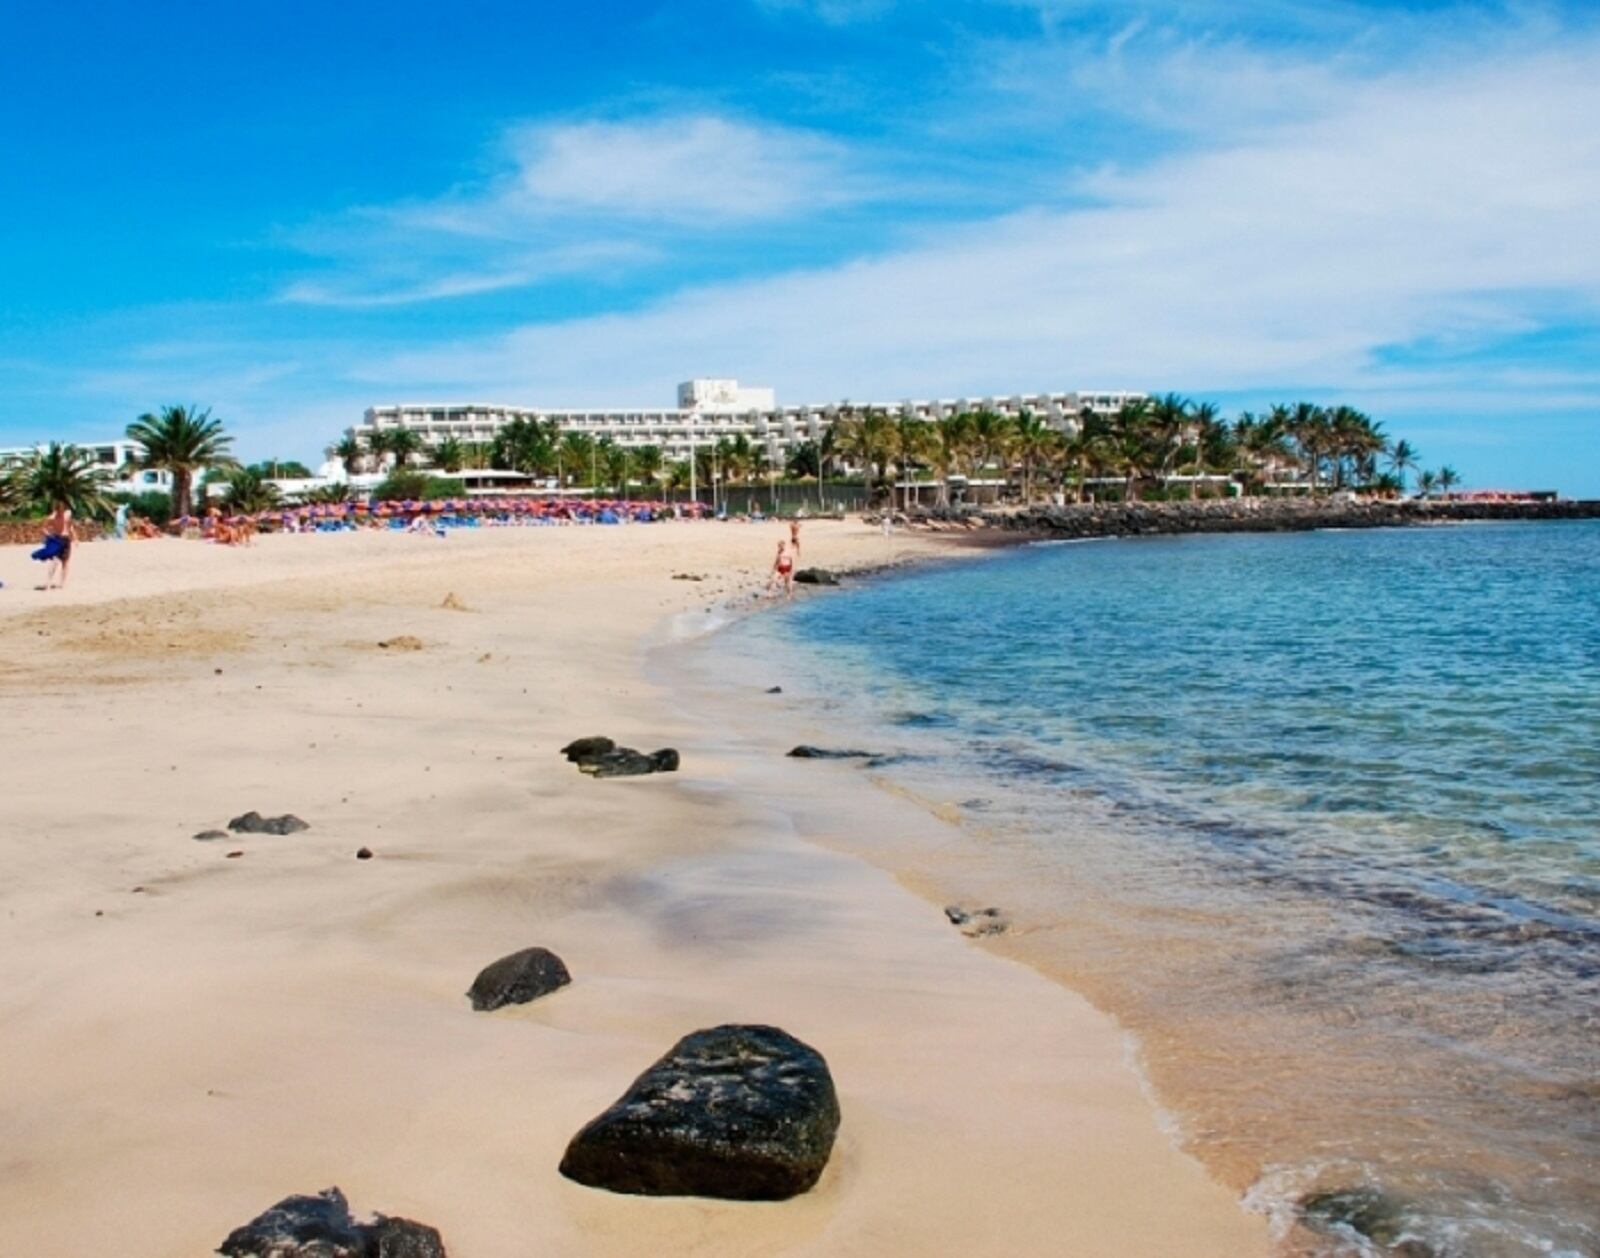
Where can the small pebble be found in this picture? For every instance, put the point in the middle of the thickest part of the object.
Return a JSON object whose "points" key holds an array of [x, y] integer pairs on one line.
{"points": [[363, 853], [231, 855]]}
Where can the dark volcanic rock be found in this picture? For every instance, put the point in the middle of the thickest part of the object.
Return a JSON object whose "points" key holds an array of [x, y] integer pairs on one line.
{"points": [[807, 752], [1368, 1213], [602, 758], [975, 923], [363, 853], [321, 1227], [519, 978], [774, 690], [403, 1238], [206, 836], [815, 576], [254, 823], [621, 763], [587, 748], [746, 1113]]}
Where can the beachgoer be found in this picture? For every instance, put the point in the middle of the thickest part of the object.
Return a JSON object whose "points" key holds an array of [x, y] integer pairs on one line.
{"points": [[59, 526], [120, 527], [783, 571], [794, 536]]}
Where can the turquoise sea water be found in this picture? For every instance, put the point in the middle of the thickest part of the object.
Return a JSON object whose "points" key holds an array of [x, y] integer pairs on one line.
{"points": [[1317, 815]]}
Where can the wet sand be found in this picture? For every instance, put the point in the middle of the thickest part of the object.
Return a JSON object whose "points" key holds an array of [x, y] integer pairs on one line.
{"points": [[187, 1037]]}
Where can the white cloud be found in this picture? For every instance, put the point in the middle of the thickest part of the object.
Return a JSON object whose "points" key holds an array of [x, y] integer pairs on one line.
{"points": [[687, 168], [587, 197], [1414, 207]]}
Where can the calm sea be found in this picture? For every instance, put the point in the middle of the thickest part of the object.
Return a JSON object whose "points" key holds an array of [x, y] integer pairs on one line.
{"points": [[1317, 816]]}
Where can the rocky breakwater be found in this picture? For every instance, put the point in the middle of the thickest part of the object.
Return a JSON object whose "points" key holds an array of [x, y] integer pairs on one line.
{"points": [[1247, 515]]}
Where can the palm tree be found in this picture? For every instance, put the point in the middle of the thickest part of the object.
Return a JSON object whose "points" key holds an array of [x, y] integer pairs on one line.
{"points": [[249, 492], [678, 476], [1308, 426], [1128, 444], [348, 450], [615, 464], [1211, 444], [329, 494], [912, 448], [949, 439], [449, 455], [60, 476], [576, 451], [402, 443], [1427, 482], [1033, 439], [376, 446], [867, 440], [1086, 453], [647, 464], [1449, 478], [1402, 459], [992, 436], [804, 461], [1166, 421], [183, 440]]}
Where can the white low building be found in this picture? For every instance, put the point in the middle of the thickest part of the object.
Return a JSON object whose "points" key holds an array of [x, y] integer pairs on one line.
{"points": [[114, 458], [710, 409]]}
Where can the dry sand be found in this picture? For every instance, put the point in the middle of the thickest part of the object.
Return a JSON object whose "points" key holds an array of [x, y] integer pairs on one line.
{"points": [[187, 1037]]}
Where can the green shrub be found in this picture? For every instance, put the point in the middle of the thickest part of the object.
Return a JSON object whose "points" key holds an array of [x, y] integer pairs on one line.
{"points": [[404, 483], [153, 504]]}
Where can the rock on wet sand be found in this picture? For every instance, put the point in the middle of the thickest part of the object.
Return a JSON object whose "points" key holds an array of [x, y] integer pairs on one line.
{"points": [[602, 758], [746, 1113], [322, 1227], [518, 978], [805, 751], [253, 822], [975, 923]]}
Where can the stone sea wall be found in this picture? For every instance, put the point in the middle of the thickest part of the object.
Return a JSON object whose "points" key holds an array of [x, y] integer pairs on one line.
{"points": [[1241, 515], [31, 532]]}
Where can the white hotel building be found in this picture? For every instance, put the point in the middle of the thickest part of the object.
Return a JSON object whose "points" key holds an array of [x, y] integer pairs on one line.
{"points": [[115, 461], [707, 411]]}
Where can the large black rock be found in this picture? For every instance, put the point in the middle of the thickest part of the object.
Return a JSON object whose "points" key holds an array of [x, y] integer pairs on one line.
{"points": [[519, 978], [619, 762], [321, 1227], [741, 1112], [586, 748], [805, 751], [253, 822], [815, 576]]}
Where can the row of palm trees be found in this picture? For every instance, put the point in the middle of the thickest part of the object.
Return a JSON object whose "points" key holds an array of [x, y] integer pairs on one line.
{"points": [[1146, 443], [185, 441]]}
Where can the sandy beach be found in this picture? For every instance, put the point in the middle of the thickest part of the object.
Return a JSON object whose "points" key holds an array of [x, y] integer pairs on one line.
{"points": [[189, 1036]]}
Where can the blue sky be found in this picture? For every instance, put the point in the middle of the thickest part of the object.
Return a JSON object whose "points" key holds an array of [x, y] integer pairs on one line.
{"points": [[291, 211]]}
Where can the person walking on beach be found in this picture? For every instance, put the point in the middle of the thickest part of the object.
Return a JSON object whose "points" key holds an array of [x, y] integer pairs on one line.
{"points": [[783, 571], [57, 549], [794, 536]]}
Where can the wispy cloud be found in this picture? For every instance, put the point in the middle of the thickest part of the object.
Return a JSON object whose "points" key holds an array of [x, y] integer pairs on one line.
{"points": [[578, 197]]}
